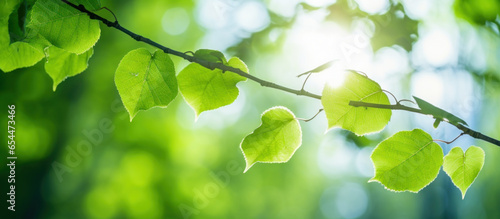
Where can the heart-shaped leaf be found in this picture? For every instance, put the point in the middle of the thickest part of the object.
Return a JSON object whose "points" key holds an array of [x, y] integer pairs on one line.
{"points": [[275, 140], [463, 168], [205, 89], [145, 80], [407, 161]]}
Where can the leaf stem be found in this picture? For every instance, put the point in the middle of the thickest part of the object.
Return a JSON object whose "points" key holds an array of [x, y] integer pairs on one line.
{"points": [[466, 130], [405, 100], [190, 58], [449, 142], [307, 120], [305, 81], [395, 99]]}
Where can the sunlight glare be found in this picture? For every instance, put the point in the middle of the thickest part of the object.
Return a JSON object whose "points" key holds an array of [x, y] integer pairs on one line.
{"points": [[175, 21], [332, 77], [428, 86], [319, 3], [373, 6], [284, 8], [437, 48], [252, 16]]}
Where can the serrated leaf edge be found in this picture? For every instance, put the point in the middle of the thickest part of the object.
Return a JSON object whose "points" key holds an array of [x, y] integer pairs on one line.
{"points": [[196, 113], [54, 83], [78, 13], [300, 137], [137, 111], [464, 153], [397, 191], [352, 107]]}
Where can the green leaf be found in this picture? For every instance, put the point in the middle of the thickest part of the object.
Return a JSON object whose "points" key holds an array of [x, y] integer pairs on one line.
{"points": [[407, 161], [19, 55], [62, 64], [8, 6], [6, 9], [463, 169], [64, 26], [360, 120], [210, 55], [16, 22], [436, 123], [275, 140], [205, 89], [145, 80], [438, 113], [319, 68]]}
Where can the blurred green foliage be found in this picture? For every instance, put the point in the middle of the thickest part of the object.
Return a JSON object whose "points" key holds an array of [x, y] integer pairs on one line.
{"points": [[163, 161], [479, 11]]}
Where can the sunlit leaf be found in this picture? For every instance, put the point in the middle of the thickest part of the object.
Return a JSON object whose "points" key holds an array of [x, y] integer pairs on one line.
{"points": [[145, 80], [407, 161], [360, 120], [62, 64], [64, 26], [438, 113], [463, 168], [205, 89], [275, 140], [19, 55]]}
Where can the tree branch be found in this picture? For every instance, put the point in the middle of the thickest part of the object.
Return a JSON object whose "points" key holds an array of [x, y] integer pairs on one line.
{"points": [[264, 83], [190, 58], [466, 130]]}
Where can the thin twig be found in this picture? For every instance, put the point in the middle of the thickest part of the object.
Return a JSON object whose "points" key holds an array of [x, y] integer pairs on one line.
{"points": [[264, 83], [305, 81], [116, 20], [395, 99], [449, 142], [411, 101], [307, 120]]}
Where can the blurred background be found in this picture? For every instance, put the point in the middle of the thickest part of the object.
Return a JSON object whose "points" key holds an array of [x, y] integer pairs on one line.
{"points": [[79, 156]]}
